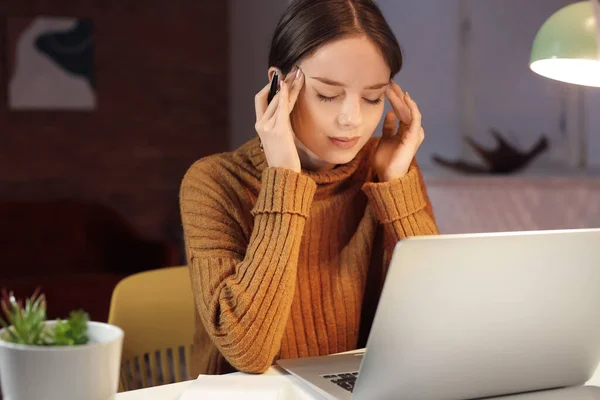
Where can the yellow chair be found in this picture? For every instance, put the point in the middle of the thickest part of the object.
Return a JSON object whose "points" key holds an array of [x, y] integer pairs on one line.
{"points": [[155, 309]]}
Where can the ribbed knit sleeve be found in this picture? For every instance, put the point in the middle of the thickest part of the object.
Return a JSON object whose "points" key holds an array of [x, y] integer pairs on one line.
{"points": [[243, 287], [402, 206]]}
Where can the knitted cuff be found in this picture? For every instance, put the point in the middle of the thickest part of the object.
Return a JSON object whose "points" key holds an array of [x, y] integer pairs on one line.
{"points": [[398, 198], [285, 191]]}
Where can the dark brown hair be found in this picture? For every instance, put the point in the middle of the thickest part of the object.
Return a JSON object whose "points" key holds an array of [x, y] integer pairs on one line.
{"points": [[306, 25]]}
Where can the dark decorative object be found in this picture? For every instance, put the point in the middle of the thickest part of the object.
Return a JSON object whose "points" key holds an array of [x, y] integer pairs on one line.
{"points": [[72, 49], [503, 160], [51, 63]]}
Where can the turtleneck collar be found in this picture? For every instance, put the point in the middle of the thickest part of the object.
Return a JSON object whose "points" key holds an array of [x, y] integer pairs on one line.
{"points": [[337, 174]]}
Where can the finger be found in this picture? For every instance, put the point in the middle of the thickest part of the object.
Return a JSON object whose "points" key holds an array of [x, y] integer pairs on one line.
{"points": [[399, 106], [289, 78], [296, 87], [415, 123], [389, 125], [274, 118], [283, 111], [401, 94], [397, 89], [272, 108], [260, 101]]}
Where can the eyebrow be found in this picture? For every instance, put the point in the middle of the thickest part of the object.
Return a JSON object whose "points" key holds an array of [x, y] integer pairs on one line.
{"points": [[334, 83]]}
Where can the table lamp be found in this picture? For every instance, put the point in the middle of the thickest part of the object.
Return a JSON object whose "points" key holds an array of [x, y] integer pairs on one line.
{"points": [[567, 46]]}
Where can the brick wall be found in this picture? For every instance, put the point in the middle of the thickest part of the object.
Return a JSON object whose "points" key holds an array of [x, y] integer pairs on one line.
{"points": [[162, 83]]}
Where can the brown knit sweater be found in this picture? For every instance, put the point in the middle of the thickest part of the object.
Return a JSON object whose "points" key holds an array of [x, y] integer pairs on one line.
{"points": [[287, 264]]}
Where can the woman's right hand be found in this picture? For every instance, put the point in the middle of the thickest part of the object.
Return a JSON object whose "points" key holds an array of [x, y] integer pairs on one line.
{"points": [[273, 122]]}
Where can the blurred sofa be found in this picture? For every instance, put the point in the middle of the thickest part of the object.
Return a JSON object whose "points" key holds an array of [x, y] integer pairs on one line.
{"points": [[474, 204], [75, 251]]}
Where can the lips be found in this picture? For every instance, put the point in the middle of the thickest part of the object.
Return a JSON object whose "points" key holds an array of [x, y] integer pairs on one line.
{"points": [[344, 142]]}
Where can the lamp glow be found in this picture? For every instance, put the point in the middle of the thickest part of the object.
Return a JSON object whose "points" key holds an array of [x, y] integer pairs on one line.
{"points": [[566, 47]]}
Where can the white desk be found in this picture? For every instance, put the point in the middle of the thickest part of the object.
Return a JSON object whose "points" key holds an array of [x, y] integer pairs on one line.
{"points": [[173, 391]]}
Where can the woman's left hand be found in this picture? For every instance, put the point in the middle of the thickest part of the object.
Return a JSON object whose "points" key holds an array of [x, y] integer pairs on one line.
{"points": [[398, 146]]}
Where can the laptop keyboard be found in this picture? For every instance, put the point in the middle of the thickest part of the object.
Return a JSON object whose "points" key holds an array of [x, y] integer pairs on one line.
{"points": [[345, 381]]}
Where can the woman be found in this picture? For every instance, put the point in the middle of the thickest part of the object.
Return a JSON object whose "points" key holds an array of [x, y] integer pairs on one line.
{"points": [[288, 237]]}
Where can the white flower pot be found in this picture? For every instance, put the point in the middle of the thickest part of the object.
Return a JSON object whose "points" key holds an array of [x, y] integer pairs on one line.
{"points": [[83, 372]]}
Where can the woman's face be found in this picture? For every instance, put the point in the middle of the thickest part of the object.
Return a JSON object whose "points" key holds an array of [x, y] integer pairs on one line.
{"points": [[341, 102]]}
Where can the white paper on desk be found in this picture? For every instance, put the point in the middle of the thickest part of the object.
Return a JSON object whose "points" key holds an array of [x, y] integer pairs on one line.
{"points": [[251, 387]]}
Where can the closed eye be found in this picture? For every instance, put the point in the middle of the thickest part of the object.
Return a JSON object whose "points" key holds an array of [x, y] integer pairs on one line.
{"points": [[374, 102], [327, 99]]}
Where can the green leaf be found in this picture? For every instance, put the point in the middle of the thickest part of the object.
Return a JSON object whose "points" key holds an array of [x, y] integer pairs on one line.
{"points": [[13, 336], [78, 321], [72, 331], [4, 323], [25, 322]]}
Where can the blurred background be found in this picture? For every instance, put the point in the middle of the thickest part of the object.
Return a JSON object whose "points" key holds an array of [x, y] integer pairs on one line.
{"points": [[105, 104]]}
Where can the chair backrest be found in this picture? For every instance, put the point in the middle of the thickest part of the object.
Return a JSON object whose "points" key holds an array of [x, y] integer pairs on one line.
{"points": [[155, 309]]}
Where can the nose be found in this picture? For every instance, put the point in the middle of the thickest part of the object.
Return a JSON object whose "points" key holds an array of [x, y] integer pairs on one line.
{"points": [[350, 115]]}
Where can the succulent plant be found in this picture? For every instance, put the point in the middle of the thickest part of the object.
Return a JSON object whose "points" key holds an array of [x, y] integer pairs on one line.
{"points": [[25, 323]]}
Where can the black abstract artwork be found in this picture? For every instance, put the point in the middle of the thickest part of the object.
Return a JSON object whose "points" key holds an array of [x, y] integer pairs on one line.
{"points": [[72, 49], [504, 159], [51, 63]]}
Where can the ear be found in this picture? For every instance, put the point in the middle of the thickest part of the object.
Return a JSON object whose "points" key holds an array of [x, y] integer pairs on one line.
{"points": [[271, 71]]}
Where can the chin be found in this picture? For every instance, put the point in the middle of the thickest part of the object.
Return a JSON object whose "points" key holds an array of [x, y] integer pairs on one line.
{"points": [[340, 157], [333, 155]]}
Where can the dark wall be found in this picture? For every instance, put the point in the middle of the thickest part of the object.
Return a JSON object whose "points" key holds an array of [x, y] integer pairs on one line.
{"points": [[162, 87]]}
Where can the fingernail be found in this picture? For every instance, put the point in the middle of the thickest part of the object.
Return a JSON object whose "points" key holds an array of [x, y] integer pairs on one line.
{"points": [[408, 95], [298, 73]]}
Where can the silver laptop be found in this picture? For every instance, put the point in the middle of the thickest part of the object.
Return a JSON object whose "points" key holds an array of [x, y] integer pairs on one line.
{"points": [[474, 316]]}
